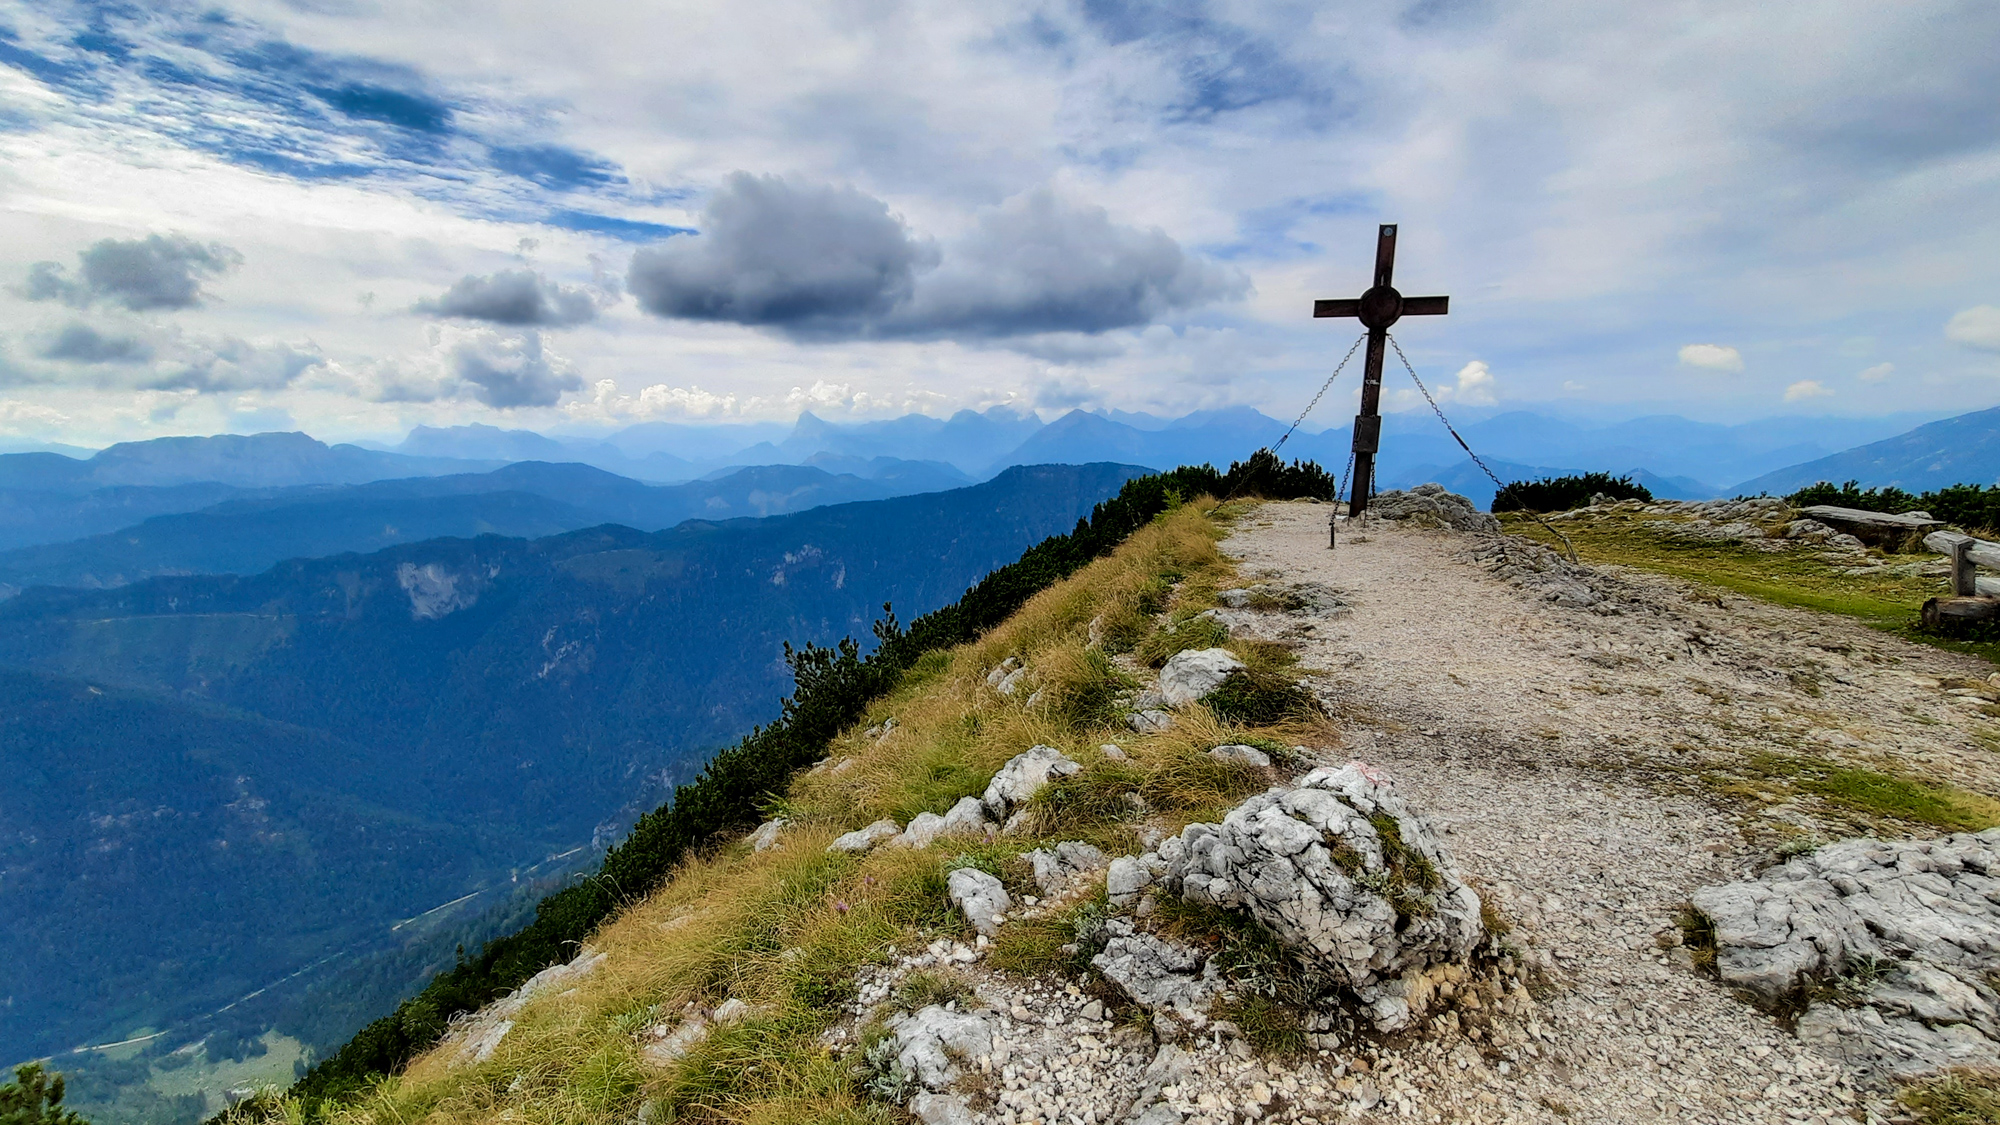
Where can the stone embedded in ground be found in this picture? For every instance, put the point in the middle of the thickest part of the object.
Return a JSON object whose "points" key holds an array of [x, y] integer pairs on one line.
{"points": [[1192, 674], [1909, 930], [1149, 722], [1237, 752], [1127, 878], [1538, 570], [864, 839], [1336, 869], [1429, 505], [1154, 972], [931, 1041], [1001, 671], [941, 1109], [766, 836], [1024, 775], [1054, 870], [980, 896], [665, 1043]]}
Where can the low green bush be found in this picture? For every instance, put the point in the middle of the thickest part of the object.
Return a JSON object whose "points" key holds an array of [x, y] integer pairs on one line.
{"points": [[1559, 494]]}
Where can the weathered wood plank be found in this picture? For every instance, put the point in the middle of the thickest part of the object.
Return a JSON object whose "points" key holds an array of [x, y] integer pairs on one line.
{"points": [[1981, 551], [1948, 613]]}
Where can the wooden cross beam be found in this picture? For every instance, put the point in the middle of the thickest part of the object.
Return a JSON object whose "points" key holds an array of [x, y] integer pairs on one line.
{"points": [[1377, 309]]}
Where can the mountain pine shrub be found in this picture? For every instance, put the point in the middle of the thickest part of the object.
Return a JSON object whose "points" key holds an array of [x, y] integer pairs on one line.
{"points": [[1559, 494]]}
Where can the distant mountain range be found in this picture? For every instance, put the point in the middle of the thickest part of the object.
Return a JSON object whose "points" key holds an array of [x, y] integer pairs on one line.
{"points": [[201, 769], [253, 531], [1961, 450]]}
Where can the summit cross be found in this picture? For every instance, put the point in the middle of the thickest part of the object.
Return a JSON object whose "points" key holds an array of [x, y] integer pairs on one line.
{"points": [[1377, 309]]}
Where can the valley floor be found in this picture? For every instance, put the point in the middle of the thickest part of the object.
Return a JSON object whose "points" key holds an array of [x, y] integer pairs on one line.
{"points": [[1593, 766]]}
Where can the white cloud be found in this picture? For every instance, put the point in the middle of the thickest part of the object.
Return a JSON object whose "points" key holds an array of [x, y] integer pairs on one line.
{"points": [[1976, 327], [1712, 357], [1877, 373], [1806, 389], [18, 417], [1475, 385]]}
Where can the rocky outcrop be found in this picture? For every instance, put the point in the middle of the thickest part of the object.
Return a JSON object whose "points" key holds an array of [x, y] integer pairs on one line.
{"points": [[982, 898], [966, 818], [766, 836], [1343, 874], [1429, 505], [1896, 939], [931, 1041], [1154, 972], [864, 839], [1192, 674], [475, 1039], [1056, 869], [1245, 755], [1023, 776]]}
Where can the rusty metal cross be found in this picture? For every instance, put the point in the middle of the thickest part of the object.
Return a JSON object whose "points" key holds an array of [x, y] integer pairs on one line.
{"points": [[1377, 309]]}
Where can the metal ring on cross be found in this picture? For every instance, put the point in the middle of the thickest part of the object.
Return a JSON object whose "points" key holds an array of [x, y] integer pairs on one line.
{"points": [[1381, 306]]}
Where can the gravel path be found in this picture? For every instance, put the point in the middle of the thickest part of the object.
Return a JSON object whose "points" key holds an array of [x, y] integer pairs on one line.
{"points": [[1561, 750]]}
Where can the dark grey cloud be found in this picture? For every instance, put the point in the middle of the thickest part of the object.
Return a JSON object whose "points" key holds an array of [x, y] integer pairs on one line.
{"points": [[775, 252], [80, 343], [831, 262], [521, 298], [505, 372], [229, 364], [155, 272], [1040, 264]]}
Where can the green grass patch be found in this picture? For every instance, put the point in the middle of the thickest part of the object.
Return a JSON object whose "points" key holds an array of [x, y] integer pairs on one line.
{"points": [[1061, 943], [1798, 576], [1958, 1097], [1093, 797], [1191, 633], [1887, 795]]}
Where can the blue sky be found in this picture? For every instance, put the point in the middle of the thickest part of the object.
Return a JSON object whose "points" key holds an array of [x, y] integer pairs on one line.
{"points": [[353, 217]]}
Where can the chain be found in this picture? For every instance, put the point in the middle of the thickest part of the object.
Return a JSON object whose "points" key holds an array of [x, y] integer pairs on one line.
{"points": [[1322, 393], [1498, 486]]}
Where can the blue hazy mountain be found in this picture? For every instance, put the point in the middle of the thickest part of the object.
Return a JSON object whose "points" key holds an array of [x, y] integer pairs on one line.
{"points": [[479, 442], [418, 719], [529, 499], [248, 461], [1961, 450]]}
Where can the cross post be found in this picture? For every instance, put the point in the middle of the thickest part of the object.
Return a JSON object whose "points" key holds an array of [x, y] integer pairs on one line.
{"points": [[1377, 309]]}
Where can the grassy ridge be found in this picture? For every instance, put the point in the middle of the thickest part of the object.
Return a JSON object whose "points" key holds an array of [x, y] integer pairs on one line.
{"points": [[833, 688]]}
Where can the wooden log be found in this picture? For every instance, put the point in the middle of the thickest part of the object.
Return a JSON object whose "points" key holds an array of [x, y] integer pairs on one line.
{"points": [[1953, 614], [1980, 551], [1986, 587]]}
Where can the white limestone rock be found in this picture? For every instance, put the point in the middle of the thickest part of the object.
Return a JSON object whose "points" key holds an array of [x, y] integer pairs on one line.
{"points": [[980, 896], [1237, 752], [1156, 973], [1192, 674], [766, 836], [475, 1039], [1054, 870], [1022, 776], [1429, 505], [1127, 878], [1150, 721], [864, 839], [1920, 918], [941, 1109], [931, 1041], [1309, 865]]}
